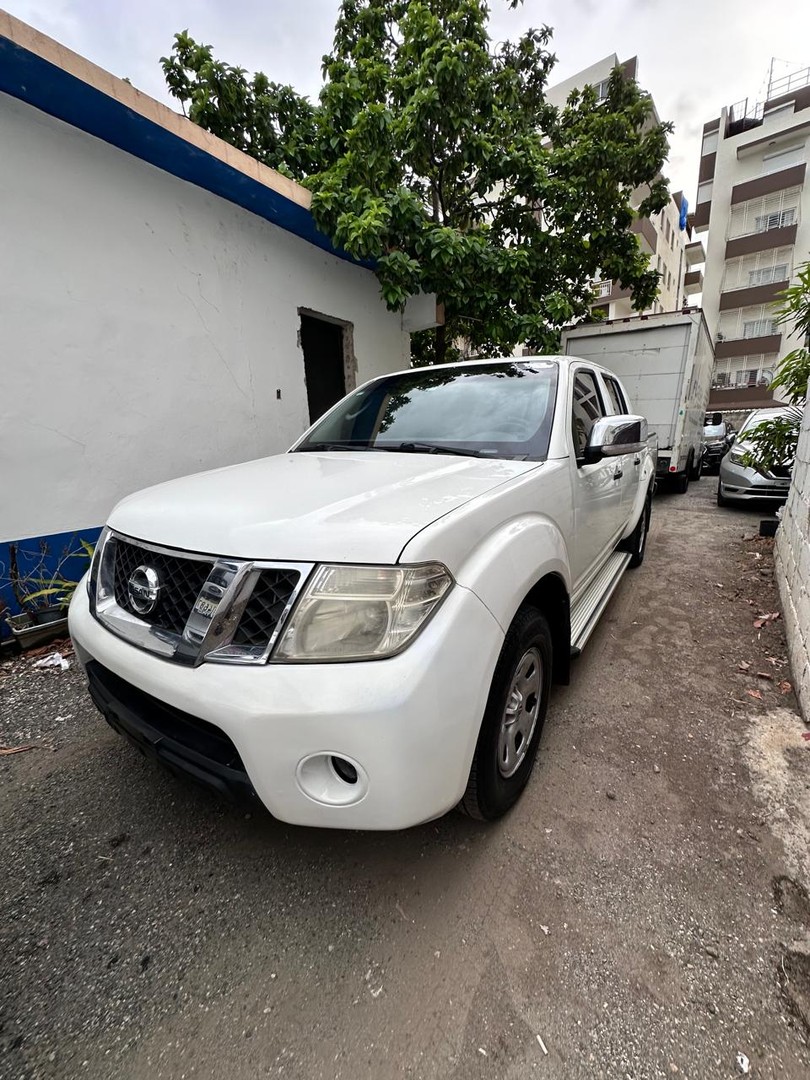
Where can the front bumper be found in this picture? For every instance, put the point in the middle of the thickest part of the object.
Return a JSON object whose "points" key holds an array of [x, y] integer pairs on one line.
{"points": [[408, 723], [746, 484], [713, 455]]}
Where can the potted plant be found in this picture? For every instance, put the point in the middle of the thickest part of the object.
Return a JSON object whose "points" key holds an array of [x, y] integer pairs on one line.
{"points": [[43, 596]]}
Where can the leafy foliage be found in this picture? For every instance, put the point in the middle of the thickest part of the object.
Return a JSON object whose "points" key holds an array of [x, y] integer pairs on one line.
{"points": [[774, 441], [436, 154]]}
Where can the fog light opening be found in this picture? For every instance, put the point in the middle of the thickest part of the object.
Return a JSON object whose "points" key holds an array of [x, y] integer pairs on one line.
{"points": [[344, 769]]}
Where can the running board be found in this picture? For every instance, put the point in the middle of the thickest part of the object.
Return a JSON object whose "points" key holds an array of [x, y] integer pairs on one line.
{"points": [[594, 600]]}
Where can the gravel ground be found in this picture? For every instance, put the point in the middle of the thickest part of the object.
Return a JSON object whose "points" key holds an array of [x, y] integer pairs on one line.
{"points": [[641, 913]]}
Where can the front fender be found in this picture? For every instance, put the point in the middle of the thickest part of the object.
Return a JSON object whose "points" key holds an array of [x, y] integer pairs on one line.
{"points": [[504, 566]]}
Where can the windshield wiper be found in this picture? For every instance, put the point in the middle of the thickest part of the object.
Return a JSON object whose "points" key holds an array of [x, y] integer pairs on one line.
{"points": [[345, 444], [428, 448]]}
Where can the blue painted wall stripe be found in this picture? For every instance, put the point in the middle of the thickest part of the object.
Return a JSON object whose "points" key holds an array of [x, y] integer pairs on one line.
{"points": [[26, 76], [40, 556]]}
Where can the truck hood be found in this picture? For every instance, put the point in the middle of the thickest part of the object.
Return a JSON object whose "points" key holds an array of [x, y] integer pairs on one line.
{"points": [[311, 507]]}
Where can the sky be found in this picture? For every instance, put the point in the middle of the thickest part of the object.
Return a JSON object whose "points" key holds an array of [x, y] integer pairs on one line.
{"points": [[693, 58]]}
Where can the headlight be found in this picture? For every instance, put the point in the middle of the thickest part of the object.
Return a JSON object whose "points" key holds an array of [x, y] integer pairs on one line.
{"points": [[362, 612], [737, 456], [92, 576]]}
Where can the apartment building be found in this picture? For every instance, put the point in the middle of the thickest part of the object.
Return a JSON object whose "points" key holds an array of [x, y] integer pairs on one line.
{"points": [[661, 237], [753, 200]]}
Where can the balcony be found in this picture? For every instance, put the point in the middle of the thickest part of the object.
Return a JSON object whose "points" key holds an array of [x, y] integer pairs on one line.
{"points": [[607, 292], [752, 296], [645, 230], [696, 253], [692, 282], [764, 240], [750, 346], [700, 218], [727, 399], [768, 184]]}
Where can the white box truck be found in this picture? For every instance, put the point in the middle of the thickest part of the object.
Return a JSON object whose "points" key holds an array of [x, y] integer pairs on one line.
{"points": [[665, 361]]}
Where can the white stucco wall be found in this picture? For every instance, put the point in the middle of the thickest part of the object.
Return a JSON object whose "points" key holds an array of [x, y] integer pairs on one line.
{"points": [[793, 568], [147, 326]]}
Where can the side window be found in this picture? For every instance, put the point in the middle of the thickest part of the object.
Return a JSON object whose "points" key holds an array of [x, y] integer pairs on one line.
{"points": [[587, 409], [615, 396]]}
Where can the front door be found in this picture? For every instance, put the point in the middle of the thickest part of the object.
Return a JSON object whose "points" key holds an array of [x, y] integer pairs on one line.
{"points": [[597, 487]]}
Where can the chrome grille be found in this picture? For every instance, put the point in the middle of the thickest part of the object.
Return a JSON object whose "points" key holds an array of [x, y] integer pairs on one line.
{"points": [[266, 605], [181, 581], [208, 607]]}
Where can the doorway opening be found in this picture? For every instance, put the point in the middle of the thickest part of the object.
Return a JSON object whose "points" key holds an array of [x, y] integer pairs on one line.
{"points": [[329, 371]]}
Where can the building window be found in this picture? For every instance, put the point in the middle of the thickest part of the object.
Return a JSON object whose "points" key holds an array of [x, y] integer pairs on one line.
{"points": [[704, 191], [754, 370], [782, 159], [601, 89], [777, 220], [710, 143], [761, 268], [770, 212], [759, 328], [768, 274]]}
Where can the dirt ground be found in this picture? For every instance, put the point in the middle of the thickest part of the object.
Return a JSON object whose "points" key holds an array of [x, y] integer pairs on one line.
{"points": [[641, 913]]}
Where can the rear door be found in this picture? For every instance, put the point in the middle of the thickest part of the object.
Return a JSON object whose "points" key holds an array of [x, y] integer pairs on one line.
{"points": [[597, 491]]}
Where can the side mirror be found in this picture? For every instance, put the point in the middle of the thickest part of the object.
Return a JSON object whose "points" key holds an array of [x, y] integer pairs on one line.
{"points": [[731, 438], [612, 436]]}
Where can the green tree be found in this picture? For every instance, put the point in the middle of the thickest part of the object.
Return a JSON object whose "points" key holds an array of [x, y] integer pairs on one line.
{"points": [[435, 153], [774, 441]]}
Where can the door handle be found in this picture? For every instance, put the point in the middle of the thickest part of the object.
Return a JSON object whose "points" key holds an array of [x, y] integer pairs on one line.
{"points": [[618, 474]]}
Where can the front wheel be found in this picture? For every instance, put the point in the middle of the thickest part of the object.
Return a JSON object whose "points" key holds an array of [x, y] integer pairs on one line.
{"points": [[513, 719], [721, 499], [636, 542]]}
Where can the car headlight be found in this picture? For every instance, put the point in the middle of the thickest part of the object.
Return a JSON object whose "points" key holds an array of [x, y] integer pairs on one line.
{"points": [[737, 456], [362, 612], [92, 575]]}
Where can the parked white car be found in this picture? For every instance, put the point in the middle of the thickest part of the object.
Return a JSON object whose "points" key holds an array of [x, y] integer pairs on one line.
{"points": [[363, 632], [739, 482]]}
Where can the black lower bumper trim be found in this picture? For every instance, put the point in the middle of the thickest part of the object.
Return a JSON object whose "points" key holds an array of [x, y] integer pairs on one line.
{"points": [[182, 743]]}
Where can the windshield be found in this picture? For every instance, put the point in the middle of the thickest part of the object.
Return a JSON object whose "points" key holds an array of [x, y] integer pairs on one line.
{"points": [[714, 431], [759, 416], [499, 410]]}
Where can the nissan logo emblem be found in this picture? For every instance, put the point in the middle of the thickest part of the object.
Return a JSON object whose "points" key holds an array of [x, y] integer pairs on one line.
{"points": [[143, 589]]}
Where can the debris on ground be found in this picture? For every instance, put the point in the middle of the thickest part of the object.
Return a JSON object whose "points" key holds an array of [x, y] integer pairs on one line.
{"points": [[743, 1064], [55, 660], [62, 645], [5, 750], [542, 1045], [762, 620]]}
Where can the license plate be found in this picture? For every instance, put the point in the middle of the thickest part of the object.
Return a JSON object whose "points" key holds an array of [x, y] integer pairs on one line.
{"points": [[205, 607]]}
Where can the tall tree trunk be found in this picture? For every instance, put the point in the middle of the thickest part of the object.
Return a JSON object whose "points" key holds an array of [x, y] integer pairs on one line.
{"points": [[441, 344]]}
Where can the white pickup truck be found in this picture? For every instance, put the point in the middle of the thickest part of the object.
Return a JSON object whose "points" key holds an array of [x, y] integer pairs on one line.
{"points": [[363, 632]]}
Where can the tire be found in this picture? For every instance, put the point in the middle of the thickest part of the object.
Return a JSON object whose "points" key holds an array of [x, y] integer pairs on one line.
{"points": [[721, 499], [636, 542], [501, 765], [697, 470], [681, 481]]}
